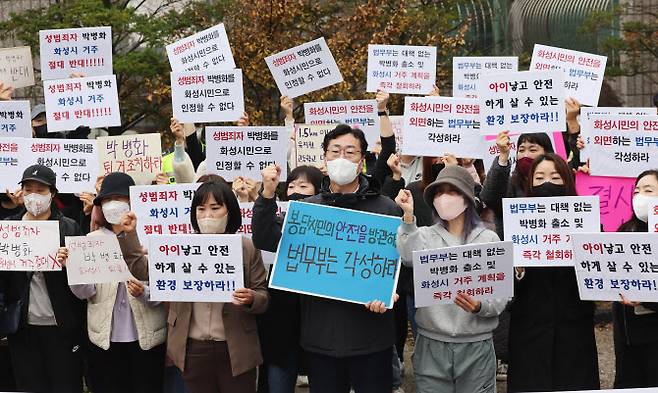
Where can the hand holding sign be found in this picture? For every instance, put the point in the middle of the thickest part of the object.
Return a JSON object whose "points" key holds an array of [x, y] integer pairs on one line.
{"points": [[6, 92], [135, 288], [243, 297], [468, 303]]}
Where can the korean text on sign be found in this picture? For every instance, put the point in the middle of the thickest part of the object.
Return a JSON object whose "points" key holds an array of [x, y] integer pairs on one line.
{"points": [[95, 260], [195, 268], [435, 126], [653, 215], [338, 254], [91, 102], [206, 50], [308, 144], [86, 50], [615, 195], [360, 114], [610, 264], [16, 68], [245, 151], [139, 155], [541, 228], [247, 213], [528, 101], [29, 245], [401, 69], [304, 68], [483, 271], [15, 119], [466, 72]]}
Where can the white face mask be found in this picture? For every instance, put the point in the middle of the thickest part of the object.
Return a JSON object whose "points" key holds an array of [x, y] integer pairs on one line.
{"points": [[641, 206], [449, 206], [342, 171], [115, 210], [213, 225], [37, 204]]}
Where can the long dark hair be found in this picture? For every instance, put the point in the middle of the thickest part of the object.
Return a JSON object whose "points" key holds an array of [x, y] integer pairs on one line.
{"points": [[518, 180], [472, 219], [634, 224], [562, 169]]}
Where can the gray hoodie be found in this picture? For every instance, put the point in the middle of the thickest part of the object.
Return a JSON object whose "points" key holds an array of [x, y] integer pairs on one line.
{"points": [[449, 322]]}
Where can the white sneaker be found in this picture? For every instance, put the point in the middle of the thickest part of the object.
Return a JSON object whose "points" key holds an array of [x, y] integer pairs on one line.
{"points": [[302, 381]]}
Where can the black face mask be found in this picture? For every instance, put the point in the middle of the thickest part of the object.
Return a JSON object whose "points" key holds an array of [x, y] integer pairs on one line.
{"points": [[436, 168], [548, 189], [41, 131], [297, 196]]}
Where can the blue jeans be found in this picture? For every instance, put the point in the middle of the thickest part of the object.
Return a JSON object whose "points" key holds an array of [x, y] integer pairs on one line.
{"points": [[283, 378], [397, 370], [411, 314]]}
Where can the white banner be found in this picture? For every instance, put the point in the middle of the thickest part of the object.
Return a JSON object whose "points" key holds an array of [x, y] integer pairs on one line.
{"points": [[360, 114], [206, 50], [16, 67], [29, 245], [15, 119], [86, 50], [140, 156], [401, 69], [466, 72], [95, 260], [247, 212]]}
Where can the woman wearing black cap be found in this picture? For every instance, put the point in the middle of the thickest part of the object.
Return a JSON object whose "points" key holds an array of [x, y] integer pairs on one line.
{"points": [[127, 330]]}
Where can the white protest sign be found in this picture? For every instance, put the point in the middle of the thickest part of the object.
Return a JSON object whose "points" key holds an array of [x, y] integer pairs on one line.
{"points": [[653, 215], [247, 212], [207, 96], [245, 151], [29, 245], [541, 228], [435, 126], [16, 69], [91, 102], [86, 50], [360, 114], [397, 123], [612, 264], [162, 209], [308, 144], [583, 72], [95, 260], [401, 69], [195, 268], [528, 101], [622, 146], [466, 72], [484, 271], [140, 156], [15, 119], [304, 68], [206, 50]]}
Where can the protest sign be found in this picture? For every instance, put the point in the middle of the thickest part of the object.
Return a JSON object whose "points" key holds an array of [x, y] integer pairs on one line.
{"points": [[621, 145], [541, 228], [29, 245], [615, 197], [492, 150], [338, 254], [308, 144], [653, 215], [360, 114], [95, 260], [85, 50], [162, 209], [247, 212], [74, 161], [436, 126], [583, 72], [91, 102], [16, 69], [206, 50], [207, 96], [195, 268], [397, 123], [139, 155], [484, 271], [401, 69], [612, 264], [466, 72], [528, 101], [304, 68], [245, 151], [15, 119]]}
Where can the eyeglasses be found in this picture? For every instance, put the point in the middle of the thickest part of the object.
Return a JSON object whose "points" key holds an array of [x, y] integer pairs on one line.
{"points": [[349, 152]]}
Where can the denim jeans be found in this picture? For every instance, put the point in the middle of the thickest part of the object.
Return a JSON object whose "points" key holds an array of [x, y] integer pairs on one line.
{"points": [[283, 378]]}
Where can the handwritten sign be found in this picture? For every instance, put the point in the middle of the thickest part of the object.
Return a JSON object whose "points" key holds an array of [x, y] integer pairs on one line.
{"points": [[95, 260], [541, 228], [140, 156], [207, 96], [304, 68], [435, 126], [16, 67], [308, 144], [245, 151], [397, 123], [74, 161], [195, 268], [466, 72], [402, 69], [615, 195], [653, 215], [610, 264], [247, 212], [484, 271], [519, 102], [206, 50], [583, 72], [91, 102], [15, 119], [29, 245], [86, 50], [360, 114], [337, 254]]}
